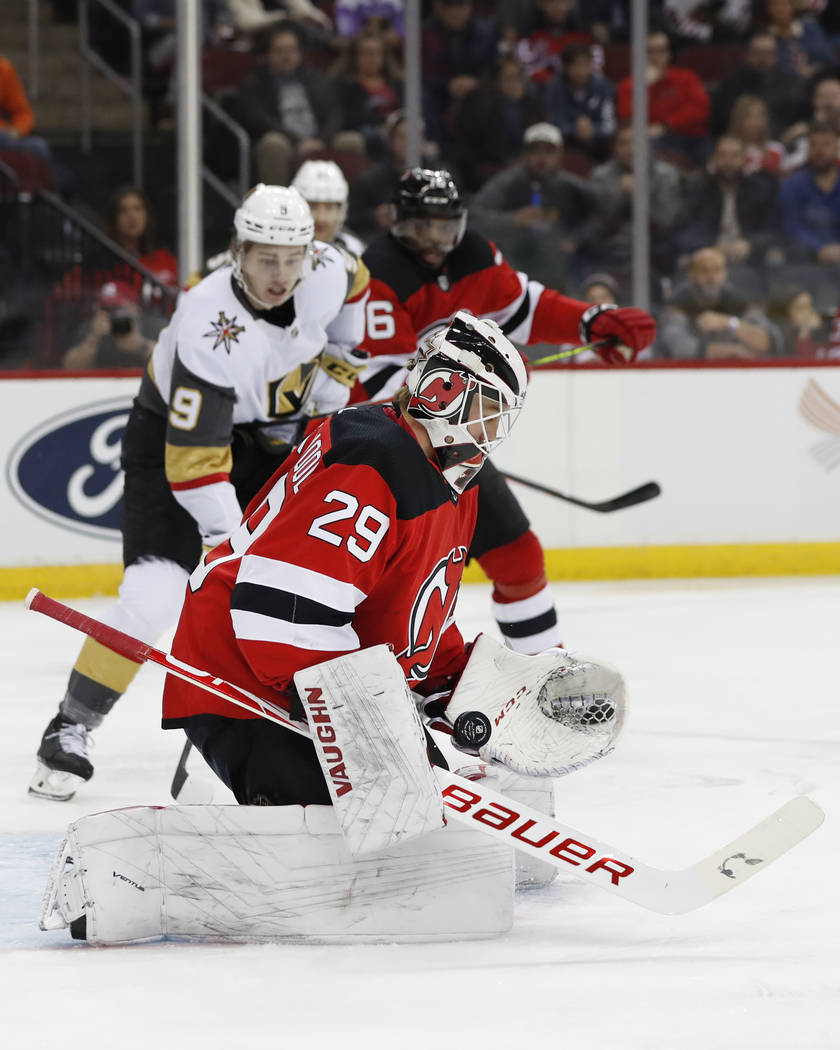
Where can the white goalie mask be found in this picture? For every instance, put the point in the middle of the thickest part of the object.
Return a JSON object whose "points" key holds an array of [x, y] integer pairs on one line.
{"points": [[274, 215], [467, 386]]}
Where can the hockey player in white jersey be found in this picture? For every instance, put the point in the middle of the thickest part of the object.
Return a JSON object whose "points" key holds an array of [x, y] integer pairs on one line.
{"points": [[322, 185], [252, 352]]}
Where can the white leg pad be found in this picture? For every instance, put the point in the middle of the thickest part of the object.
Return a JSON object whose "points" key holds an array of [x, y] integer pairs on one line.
{"points": [[239, 873], [537, 792]]}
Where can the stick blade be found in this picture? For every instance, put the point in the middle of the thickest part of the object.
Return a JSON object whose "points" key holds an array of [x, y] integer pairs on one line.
{"points": [[751, 852], [642, 494]]}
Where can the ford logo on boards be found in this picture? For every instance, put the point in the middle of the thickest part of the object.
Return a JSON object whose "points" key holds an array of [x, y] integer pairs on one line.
{"points": [[67, 470]]}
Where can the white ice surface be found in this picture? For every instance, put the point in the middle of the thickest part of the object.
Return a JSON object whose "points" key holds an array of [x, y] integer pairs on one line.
{"points": [[735, 707]]}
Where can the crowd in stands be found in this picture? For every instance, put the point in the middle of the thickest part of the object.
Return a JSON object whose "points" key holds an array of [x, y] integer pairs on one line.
{"points": [[529, 104]]}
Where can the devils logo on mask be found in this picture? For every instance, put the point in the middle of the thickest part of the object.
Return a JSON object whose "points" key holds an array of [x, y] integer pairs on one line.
{"points": [[432, 610], [442, 392]]}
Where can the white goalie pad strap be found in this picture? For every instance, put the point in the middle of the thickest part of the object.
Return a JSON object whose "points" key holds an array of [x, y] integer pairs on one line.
{"points": [[543, 715], [371, 746], [239, 873]]}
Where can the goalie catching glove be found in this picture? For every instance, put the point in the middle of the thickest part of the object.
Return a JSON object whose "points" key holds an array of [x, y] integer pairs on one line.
{"points": [[631, 329], [543, 715]]}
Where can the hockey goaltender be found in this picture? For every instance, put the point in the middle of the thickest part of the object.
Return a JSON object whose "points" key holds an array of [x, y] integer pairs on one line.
{"points": [[332, 607]]}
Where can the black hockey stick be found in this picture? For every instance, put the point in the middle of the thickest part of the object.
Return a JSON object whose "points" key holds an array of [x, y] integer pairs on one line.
{"points": [[650, 490], [180, 777]]}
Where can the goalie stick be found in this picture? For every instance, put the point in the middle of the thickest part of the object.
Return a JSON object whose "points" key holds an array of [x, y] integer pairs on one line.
{"points": [[472, 803]]}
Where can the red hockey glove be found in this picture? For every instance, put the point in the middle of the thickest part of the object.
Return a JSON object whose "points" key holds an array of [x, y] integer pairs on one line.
{"points": [[632, 330]]}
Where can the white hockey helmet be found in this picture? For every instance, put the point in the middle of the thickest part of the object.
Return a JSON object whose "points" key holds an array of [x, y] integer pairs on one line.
{"points": [[275, 215], [321, 181], [467, 386]]}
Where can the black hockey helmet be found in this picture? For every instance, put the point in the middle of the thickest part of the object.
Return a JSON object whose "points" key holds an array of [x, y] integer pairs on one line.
{"points": [[423, 193], [427, 206]]}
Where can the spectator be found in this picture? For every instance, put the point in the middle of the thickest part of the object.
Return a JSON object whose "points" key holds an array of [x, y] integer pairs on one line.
{"points": [[599, 288], [16, 117], [805, 334], [505, 101], [678, 104], [369, 80], [372, 191], [749, 123], [810, 201], [801, 45], [114, 337], [832, 349], [614, 182], [458, 46], [691, 22], [736, 213], [582, 103], [760, 75], [537, 213], [290, 111], [825, 109], [130, 222], [708, 319], [554, 25]]}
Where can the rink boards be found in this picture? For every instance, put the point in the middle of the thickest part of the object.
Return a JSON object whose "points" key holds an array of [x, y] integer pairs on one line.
{"points": [[748, 460]]}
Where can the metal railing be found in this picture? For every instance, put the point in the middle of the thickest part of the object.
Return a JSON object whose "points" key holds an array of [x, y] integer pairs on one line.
{"points": [[133, 86], [33, 50], [244, 164]]}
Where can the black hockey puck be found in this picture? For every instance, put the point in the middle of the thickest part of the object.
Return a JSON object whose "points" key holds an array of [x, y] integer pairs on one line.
{"points": [[472, 729]]}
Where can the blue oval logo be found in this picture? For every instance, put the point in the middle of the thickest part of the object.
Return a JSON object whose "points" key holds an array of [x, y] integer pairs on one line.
{"points": [[68, 469]]}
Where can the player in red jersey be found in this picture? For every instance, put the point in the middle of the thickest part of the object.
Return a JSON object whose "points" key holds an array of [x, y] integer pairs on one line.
{"points": [[361, 540], [425, 269]]}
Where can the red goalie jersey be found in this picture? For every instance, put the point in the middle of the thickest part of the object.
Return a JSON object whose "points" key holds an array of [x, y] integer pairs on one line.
{"points": [[358, 541]]}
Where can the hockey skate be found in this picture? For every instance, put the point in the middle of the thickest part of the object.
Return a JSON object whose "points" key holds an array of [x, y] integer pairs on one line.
{"points": [[63, 763]]}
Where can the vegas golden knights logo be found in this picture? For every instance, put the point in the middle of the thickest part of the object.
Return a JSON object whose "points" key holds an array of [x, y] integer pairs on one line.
{"points": [[288, 395]]}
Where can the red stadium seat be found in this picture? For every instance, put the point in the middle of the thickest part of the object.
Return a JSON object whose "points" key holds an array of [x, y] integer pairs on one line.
{"points": [[616, 62], [222, 67], [711, 62], [32, 171], [351, 164], [577, 162]]}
